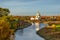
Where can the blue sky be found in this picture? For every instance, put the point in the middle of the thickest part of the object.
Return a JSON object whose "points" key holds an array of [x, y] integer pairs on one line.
{"points": [[30, 7]]}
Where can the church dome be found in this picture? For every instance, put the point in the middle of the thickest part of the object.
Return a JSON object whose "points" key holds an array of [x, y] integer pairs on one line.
{"points": [[38, 13]]}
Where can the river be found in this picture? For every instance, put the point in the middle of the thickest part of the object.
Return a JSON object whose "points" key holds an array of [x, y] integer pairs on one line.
{"points": [[28, 33]]}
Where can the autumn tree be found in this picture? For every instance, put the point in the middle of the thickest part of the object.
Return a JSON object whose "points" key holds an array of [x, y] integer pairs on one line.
{"points": [[4, 11]]}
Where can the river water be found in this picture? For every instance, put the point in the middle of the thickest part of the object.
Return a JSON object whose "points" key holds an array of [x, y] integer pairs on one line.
{"points": [[28, 33]]}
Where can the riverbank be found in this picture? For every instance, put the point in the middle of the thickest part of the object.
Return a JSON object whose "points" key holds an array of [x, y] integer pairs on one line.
{"points": [[23, 26], [49, 34]]}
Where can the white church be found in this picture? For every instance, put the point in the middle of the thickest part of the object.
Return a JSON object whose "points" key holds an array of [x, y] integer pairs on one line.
{"points": [[37, 18]]}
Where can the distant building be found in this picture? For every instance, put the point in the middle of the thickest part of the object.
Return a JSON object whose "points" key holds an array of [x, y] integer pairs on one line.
{"points": [[32, 18], [37, 17]]}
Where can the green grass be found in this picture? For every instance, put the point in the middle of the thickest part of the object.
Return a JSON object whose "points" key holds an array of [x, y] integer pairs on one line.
{"points": [[58, 27]]}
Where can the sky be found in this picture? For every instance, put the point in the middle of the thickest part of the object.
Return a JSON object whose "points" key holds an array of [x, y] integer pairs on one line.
{"points": [[30, 7]]}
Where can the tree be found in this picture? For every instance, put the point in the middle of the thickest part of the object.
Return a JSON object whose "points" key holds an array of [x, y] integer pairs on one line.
{"points": [[4, 11]]}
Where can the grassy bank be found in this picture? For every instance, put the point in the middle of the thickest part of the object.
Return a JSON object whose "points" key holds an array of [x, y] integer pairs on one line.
{"points": [[23, 26], [9, 26], [49, 34]]}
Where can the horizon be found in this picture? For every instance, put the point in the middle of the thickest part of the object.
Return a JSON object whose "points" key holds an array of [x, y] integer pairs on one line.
{"points": [[30, 7]]}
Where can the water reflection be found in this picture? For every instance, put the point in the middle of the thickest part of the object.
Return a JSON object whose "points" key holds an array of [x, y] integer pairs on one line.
{"points": [[43, 25], [20, 32], [37, 26], [28, 33]]}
